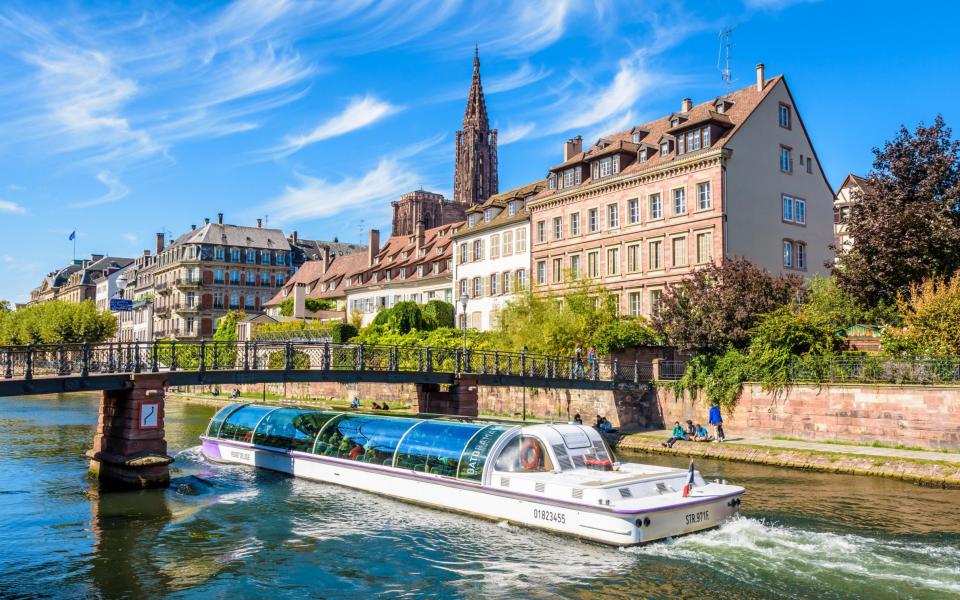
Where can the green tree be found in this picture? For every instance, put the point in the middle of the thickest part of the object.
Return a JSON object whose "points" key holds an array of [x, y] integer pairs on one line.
{"points": [[57, 322], [438, 314], [931, 320], [341, 333], [619, 334], [719, 304], [905, 225], [311, 304], [405, 316]]}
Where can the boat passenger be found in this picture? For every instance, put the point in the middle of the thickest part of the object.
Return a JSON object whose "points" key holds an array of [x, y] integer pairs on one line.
{"points": [[717, 421], [675, 436], [355, 452], [702, 434]]}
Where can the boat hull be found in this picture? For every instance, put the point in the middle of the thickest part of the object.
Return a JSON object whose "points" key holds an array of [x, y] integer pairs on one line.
{"points": [[599, 524]]}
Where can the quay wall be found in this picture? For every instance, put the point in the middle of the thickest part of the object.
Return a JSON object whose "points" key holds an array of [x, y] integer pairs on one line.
{"points": [[916, 416]]}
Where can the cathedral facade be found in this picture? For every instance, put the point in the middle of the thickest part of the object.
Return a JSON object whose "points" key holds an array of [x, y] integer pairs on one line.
{"points": [[474, 177]]}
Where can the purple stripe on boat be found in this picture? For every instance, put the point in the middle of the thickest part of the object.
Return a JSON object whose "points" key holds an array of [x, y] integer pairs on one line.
{"points": [[211, 449]]}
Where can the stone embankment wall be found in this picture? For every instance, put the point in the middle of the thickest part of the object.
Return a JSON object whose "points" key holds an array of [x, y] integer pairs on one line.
{"points": [[926, 417]]}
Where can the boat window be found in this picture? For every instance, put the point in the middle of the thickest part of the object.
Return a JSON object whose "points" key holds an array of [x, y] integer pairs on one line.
{"points": [[573, 436], [474, 456], [291, 428], [218, 418], [525, 454], [240, 424], [367, 438], [435, 447]]}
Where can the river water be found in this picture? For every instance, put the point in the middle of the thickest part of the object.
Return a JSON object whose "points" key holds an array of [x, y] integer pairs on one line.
{"points": [[234, 532]]}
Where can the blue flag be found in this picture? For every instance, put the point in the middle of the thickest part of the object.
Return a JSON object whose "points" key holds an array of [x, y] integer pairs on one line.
{"points": [[73, 235]]}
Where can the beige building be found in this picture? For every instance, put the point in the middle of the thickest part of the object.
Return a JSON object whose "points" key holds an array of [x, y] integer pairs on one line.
{"points": [[214, 269], [733, 176]]}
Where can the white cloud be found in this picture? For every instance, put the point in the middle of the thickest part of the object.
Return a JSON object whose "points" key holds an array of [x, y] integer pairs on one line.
{"points": [[522, 77], [774, 5], [526, 27], [317, 198], [359, 113], [15, 188], [115, 191], [619, 96], [9, 207], [514, 133], [130, 237]]}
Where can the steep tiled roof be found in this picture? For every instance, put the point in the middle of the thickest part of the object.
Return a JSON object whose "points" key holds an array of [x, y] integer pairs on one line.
{"points": [[500, 200], [741, 104], [311, 273], [236, 235], [313, 249], [391, 256]]}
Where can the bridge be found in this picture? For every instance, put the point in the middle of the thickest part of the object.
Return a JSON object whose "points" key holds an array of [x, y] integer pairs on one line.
{"points": [[129, 447]]}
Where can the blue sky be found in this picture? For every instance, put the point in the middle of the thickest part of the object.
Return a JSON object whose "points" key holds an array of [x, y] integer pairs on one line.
{"points": [[121, 122]]}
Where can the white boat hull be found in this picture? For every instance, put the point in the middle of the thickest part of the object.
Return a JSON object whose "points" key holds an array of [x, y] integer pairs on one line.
{"points": [[603, 524]]}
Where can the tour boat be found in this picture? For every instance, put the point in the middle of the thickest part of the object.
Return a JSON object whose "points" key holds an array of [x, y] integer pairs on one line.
{"points": [[560, 477]]}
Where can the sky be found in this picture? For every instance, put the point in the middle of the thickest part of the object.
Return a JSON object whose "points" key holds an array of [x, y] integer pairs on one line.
{"points": [[120, 122]]}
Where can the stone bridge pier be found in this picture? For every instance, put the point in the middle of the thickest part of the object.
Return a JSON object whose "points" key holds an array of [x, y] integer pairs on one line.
{"points": [[129, 448], [461, 399]]}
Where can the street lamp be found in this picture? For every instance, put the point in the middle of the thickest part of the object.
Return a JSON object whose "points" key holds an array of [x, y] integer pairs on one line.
{"points": [[463, 310], [121, 285]]}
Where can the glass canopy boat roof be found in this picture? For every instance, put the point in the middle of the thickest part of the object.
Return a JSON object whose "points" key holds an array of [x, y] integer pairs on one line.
{"points": [[438, 446]]}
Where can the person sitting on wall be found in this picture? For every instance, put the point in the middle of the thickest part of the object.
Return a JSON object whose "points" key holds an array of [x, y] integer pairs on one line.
{"points": [[675, 436], [599, 422], [375, 406], [385, 406], [355, 403], [702, 434], [606, 426], [578, 419], [691, 430]]}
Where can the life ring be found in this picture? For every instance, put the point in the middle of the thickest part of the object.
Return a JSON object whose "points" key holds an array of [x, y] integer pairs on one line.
{"points": [[530, 454]]}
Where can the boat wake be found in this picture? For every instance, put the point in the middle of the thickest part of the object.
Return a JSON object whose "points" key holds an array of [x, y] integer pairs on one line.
{"points": [[752, 550]]}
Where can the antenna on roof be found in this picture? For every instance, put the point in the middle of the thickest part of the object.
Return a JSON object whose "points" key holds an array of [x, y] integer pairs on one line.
{"points": [[725, 44]]}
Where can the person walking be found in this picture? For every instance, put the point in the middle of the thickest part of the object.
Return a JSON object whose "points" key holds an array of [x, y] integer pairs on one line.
{"points": [[717, 421], [592, 361], [578, 361]]}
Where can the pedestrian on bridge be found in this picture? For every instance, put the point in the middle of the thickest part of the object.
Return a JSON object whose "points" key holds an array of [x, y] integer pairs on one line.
{"points": [[578, 371]]}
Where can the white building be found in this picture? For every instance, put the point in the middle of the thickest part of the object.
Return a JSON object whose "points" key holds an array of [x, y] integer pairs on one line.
{"points": [[492, 255], [849, 190], [107, 289]]}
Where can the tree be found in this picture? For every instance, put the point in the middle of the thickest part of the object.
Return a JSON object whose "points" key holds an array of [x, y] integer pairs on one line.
{"points": [[905, 225], [719, 304], [311, 304], [931, 320], [57, 322], [831, 303], [620, 334], [341, 333], [438, 313], [405, 316]]}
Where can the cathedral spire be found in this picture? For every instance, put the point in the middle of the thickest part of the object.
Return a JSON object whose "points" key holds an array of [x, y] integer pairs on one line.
{"points": [[475, 176]]}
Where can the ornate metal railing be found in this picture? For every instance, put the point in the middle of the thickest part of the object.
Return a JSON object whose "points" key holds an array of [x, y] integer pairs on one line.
{"points": [[28, 362]]}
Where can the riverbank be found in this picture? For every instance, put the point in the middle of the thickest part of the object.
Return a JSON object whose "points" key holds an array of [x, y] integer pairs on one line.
{"points": [[927, 468]]}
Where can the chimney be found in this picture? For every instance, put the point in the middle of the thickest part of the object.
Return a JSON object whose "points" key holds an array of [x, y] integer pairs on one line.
{"points": [[373, 247], [159, 243], [299, 300], [146, 253], [294, 237], [420, 235], [193, 228], [686, 105], [219, 218], [259, 223], [572, 147], [760, 78], [206, 220], [326, 257]]}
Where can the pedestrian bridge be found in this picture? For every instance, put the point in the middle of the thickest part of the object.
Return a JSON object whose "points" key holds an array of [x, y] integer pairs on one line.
{"points": [[45, 369]]}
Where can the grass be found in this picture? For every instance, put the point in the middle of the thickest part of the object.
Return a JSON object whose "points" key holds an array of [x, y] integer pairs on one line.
{"points": [[870, 444]]}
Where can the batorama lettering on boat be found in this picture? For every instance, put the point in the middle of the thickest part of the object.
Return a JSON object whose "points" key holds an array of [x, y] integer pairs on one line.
{"points": [[555, 476]]}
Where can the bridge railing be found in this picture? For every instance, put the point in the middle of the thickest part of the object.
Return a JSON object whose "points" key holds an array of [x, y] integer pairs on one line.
{"points": [[28, 362]]}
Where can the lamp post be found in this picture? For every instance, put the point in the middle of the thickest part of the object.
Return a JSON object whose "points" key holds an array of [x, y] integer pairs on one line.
{"points": [[463, 315]]}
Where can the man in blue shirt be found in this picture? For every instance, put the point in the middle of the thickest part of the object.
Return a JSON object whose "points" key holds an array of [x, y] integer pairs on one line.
{"points": [[717, 421]]}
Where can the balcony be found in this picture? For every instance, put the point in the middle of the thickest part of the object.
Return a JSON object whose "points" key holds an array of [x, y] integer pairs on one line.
{"points": [[161, 286], [189, 282], [186, 308]]}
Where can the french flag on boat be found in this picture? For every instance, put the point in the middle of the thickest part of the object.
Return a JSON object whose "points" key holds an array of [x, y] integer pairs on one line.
{"points": [[689, 485]]}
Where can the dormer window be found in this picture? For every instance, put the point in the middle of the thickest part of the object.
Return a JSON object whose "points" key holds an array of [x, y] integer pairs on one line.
{"points": [[636, 137], [607, 166], [674, 122], [471, 220], [511, 208], [487, 215], [552, 181], [642, 155], [423, 252], [664, 148]]}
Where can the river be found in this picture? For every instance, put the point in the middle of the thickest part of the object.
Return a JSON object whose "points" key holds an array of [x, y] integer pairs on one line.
{"points": [[234, 532]]}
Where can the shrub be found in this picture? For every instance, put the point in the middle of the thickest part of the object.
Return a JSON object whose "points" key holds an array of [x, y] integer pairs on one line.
{"points": [[405, 316], [624, 333], [438, 314], [931, 320], [311, 304], [341, 333], [277, 360]]}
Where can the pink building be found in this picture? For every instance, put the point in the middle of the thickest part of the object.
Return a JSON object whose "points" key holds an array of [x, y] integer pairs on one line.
{"points": [[638, 209]]}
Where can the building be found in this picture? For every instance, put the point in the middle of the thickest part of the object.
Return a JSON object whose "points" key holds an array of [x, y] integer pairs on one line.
{"points": [[639, 209], [49, 288], [306, 250], [214, 269], [475, 172], [321, 279], [492, 255], [850, 190], [113, 286], [413, 268], [82, 283]]}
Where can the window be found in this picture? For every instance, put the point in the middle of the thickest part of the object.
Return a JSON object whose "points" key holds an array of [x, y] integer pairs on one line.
{"points": [[633, 207], [655, 296], [521, 239], [552, 181], [642, 155], [218, 253], [636, 137], [471, 220], [680, 201], [495, 246], [493, 284], [575, 224], [704, 247], [613, 216], [655, 254], [235, 277], [786, 160], [218, 276], [787, 253], [575, 266], [633, 300], [505, 282], [664, 148], [593, 266], [478, 250], [557, 228], [613, 261], [265, 279], [788, 209], [679, 251], [541, 231], [801, 255], [541, 272], [234, 300], [487, 215], [477, 287], [511, 209], [557, 270], [656, 206], [280, 280], [190, 321], [521, 279], [706, 137], [608, 166], [800, 211], [251, 256], [633, 258], [784, 116], [593, 220], [809, 165], [693, 140], [704, 196], [507, 243], [235, 254], [463, 287], [462, 254]]}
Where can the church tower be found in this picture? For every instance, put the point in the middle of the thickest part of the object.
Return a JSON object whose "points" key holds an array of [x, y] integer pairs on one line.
{"points": [[475, 170]]}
